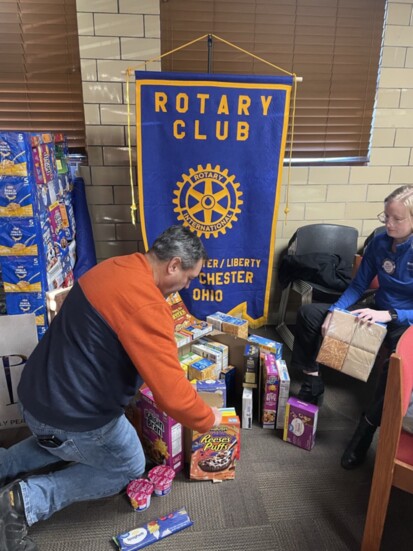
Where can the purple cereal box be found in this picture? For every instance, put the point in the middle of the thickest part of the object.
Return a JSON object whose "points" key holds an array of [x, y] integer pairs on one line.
{"points": [[270, 391], [300, 423], [162, 436]]}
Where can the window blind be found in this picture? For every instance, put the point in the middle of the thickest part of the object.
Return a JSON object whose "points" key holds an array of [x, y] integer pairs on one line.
{"points": [[335, 45], [40, 81]]}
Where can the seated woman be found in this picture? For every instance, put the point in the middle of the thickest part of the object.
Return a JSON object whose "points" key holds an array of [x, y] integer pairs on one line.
{"points": [[389, 255]]}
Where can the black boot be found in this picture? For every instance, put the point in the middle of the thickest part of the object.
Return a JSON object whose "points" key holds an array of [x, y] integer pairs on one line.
{"points": [[312, 390], [13, 525], [356, 451]]}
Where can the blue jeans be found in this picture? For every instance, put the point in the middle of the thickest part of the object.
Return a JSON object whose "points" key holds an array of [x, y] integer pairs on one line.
{"points": [[101, 463]]}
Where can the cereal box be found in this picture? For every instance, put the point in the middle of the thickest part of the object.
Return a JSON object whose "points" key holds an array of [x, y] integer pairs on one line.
{"points": [[188, 359], [198, 328], [213, 454], [212, 392], [211, 353], [300, 423], [162, 436], [223, 348], [202, 370], [247, 408], [229, 324], [270, 391], [251, 364], [267, 345], [283, 392]]}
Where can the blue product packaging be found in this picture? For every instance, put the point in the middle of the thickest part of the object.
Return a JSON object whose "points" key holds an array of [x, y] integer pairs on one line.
{"points": [[212, 386], [23, 275], [267, 345], [28, 303], [70, 230], [153, 531], [15, 154], [46, 195], [18, 236], [44, 163], [18, 197]]}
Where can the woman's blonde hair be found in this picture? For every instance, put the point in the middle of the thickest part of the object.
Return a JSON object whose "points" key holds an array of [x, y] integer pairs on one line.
{"points": [[404, 194]]}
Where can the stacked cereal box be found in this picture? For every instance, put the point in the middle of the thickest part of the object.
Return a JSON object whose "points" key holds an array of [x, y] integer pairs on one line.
{"points": [[229, 324], [187, 327], [270, 389], [37, 226], [267, 345], [283, 392]]}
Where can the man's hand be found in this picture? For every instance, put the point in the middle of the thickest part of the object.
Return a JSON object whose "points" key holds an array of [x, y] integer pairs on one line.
{"points": [[218, 416], [326, 323], [372, 316]]}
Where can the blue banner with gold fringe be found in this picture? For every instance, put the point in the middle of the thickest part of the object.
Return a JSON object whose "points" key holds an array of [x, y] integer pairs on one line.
{"points": [[210, 151]]}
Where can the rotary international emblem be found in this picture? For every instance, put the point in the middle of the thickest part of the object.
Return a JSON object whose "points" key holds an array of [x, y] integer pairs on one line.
{"points": [[208, 200]]}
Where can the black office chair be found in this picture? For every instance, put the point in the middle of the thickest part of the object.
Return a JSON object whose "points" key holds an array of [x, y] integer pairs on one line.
{"points": [[316, 238]]}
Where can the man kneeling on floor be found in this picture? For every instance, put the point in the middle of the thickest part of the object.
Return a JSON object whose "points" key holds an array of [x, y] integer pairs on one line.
{"points": [[113, 332]]}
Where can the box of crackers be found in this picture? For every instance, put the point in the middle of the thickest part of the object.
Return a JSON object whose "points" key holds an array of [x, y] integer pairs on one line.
{"points": [[214, 453]]}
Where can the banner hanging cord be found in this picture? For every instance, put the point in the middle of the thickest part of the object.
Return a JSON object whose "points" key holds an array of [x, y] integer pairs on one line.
{"points": [[287, 194], [131, 70], [133, 207]]}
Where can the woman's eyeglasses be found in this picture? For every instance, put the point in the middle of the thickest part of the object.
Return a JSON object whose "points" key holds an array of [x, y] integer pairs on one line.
{"points": [[384, 219]]}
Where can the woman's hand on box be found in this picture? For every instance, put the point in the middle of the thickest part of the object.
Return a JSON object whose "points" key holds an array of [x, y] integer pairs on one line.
{"points": [[372, 316]]}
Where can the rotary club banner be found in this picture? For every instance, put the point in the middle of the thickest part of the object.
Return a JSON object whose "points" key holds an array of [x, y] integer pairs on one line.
{"points": [[210, 151]]}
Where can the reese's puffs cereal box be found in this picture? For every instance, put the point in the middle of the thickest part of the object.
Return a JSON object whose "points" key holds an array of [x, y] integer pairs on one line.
{"points": [[214, 453]]}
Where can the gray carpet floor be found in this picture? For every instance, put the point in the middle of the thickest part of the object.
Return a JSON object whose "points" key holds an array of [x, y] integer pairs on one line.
{"points": [[283, 498]]}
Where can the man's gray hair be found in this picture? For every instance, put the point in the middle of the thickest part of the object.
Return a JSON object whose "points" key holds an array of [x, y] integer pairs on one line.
{"points": [[179, 241]]}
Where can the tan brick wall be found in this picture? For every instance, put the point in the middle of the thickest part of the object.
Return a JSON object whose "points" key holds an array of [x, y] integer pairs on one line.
{"points": [[114, 35]]}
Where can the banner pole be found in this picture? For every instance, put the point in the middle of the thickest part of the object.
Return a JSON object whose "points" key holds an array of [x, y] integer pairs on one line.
{"points": [[209, 53]]}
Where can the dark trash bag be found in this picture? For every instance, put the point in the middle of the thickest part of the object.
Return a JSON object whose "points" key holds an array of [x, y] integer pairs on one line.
{"points": [[324, 269]]}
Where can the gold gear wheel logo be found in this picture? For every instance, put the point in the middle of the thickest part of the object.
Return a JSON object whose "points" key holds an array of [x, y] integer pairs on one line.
{"points": [[208, 200]]}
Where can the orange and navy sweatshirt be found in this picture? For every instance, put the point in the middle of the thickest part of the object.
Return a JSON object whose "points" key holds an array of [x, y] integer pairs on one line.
{"points": [[114, 330]]}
